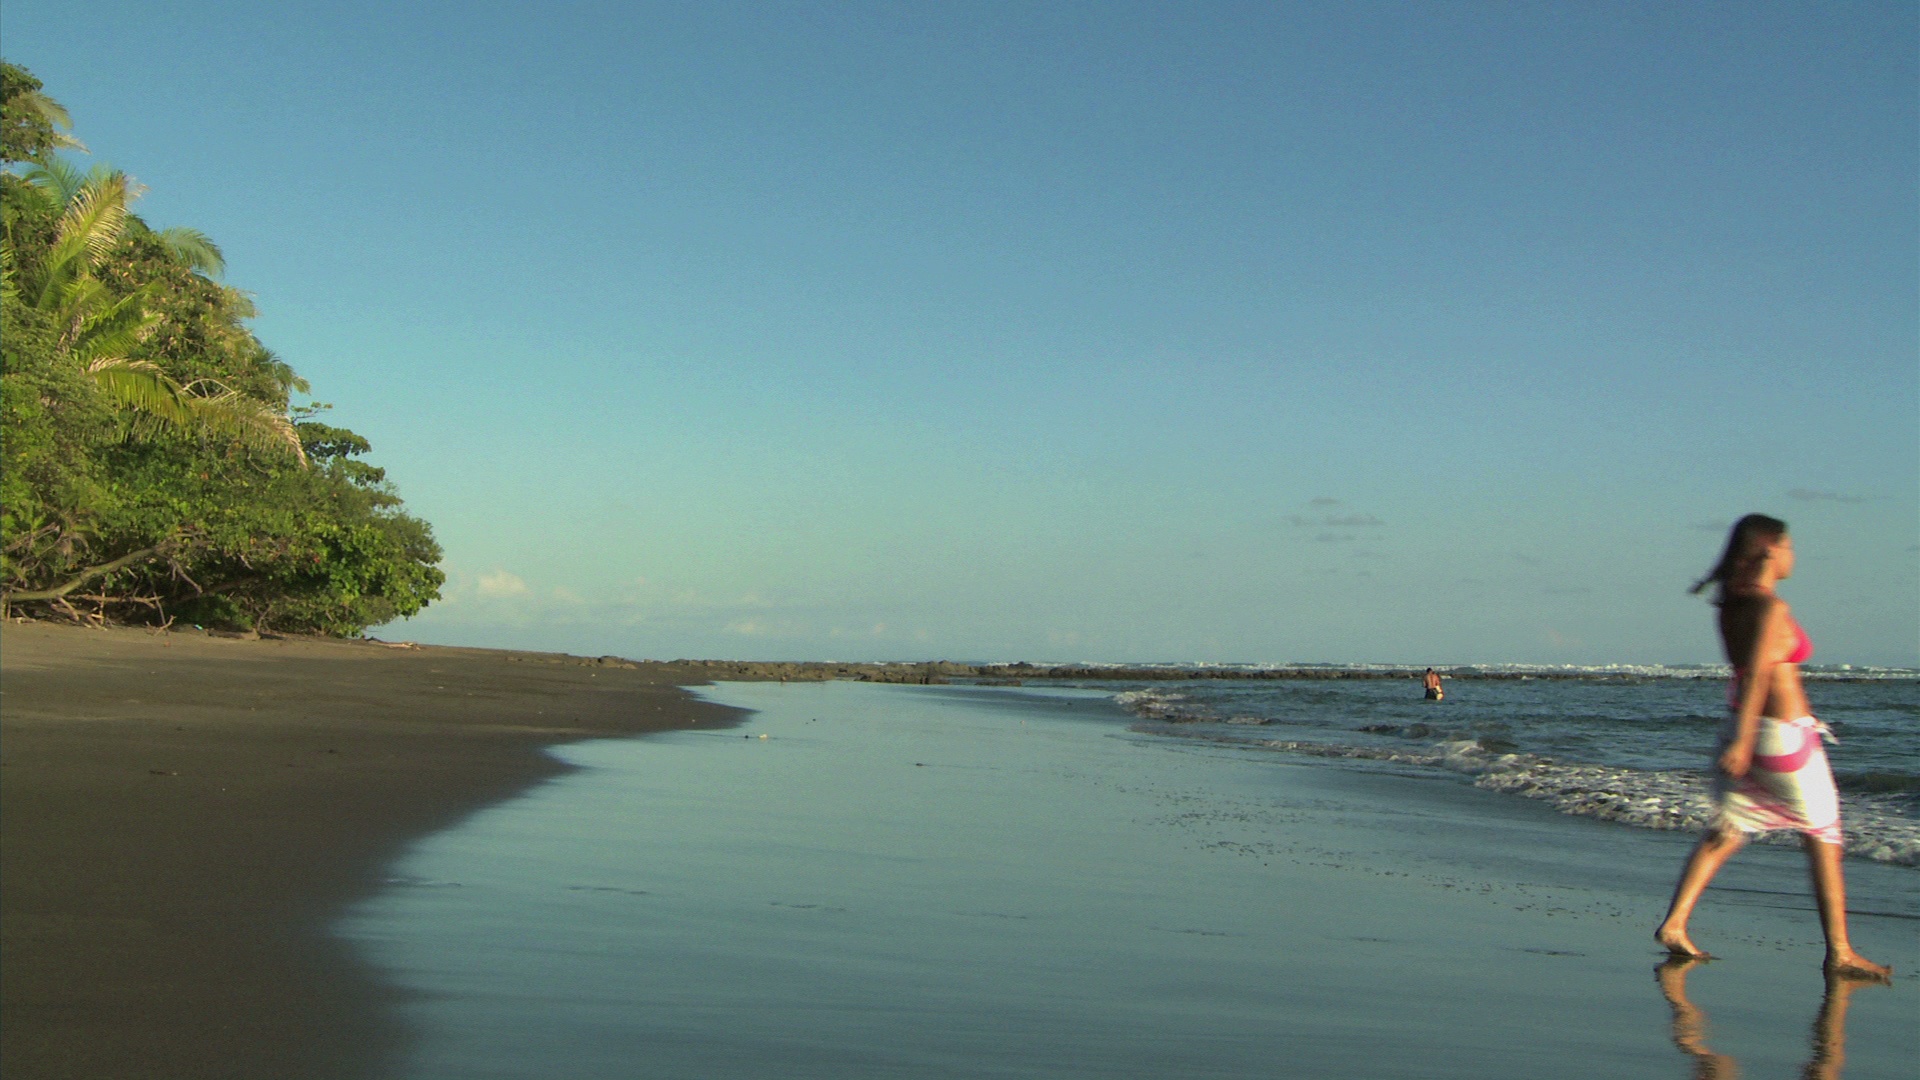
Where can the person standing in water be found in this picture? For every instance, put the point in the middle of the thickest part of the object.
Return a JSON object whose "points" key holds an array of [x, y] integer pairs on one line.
{"points": [[1432, 682], [1771, 772]]}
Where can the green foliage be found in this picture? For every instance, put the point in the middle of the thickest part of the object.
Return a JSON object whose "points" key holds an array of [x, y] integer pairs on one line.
{"points": [[34, 124], [150, 468]]}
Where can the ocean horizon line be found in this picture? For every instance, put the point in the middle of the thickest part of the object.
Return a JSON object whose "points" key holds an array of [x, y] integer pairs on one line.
{"points": [[1122, 670]]}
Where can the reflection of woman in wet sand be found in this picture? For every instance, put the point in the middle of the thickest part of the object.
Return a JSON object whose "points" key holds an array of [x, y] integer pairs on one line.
{"points": [[1690, 1024], [1432, 683], [1772, 771], [1829, 1039]]}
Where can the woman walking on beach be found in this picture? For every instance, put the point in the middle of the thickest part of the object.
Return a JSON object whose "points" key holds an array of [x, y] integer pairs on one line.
{"points": [[1772, 770]]}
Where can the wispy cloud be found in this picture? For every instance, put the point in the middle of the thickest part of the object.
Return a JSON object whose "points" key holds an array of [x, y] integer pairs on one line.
{"points": [[877, 631], [634, 607], [1332, 521], [1324, 501], [501, 583], [1332, 538], [501, 597], [1810, 495]]}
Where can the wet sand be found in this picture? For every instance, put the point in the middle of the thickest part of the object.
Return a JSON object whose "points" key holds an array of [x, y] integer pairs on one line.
{"points": [[186, 820], [956, 882], [182, 816]]}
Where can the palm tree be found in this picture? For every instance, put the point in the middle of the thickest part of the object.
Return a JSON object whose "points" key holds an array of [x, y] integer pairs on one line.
{"points": [[97, 330], [34, 124]]}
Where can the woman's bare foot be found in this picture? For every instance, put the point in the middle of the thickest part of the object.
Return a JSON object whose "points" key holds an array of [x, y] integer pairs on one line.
{"points": [[1679, 944], [1671, 974], [1847, 964]]}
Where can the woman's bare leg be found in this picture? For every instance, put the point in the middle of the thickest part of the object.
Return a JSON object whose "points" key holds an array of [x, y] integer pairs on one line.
{"points": [[1708, 856], [1690, 1024], [1830, 892], [1830, 1031]]}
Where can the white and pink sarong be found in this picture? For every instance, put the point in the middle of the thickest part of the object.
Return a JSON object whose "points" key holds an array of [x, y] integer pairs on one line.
{"points": [[1788, 786]]}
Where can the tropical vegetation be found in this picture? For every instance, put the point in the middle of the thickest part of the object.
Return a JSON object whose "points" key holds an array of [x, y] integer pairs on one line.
{"points": [[154, 466]]}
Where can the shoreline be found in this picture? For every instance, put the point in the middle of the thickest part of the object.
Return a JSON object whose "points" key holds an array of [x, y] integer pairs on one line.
{"points": [[184, 815], [951, 882], [941, 672]]}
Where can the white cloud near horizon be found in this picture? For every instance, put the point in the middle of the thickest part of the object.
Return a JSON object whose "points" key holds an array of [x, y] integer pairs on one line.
{"points": [[501, 583]]}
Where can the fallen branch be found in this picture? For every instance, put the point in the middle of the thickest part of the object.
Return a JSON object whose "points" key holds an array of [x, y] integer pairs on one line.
{"points": [[121, 563], [228, 585], [102, 599]]}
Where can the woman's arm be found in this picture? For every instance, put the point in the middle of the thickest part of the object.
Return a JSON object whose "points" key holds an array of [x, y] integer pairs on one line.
{"points": [[1771, 644]]}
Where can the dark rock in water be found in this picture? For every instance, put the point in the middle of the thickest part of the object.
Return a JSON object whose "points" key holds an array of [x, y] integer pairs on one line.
{"points": [[916, 678], [1381, 729], [1418, 731]]}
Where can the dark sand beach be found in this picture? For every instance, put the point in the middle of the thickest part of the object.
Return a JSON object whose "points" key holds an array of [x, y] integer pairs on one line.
{"points": [[305, 858], [182, 815]]}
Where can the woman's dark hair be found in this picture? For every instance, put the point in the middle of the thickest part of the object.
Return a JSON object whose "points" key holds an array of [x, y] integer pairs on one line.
{"points": [[1747, 545]]}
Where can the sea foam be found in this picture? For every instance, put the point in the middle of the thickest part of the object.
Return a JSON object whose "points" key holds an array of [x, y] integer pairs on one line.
{"points": [[1647, 798]]}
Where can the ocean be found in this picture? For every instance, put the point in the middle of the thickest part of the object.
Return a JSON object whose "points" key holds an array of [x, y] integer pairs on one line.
{"points": [[1630, 745], [881, 881]]}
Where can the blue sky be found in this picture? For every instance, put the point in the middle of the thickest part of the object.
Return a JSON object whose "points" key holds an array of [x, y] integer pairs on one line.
{"points": [[1425, 333]]}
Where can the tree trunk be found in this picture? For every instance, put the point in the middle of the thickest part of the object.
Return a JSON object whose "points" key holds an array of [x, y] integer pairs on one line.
{"points": [[121, 563]]}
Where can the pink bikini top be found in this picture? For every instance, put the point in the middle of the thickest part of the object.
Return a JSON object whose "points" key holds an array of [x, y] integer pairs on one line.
{"points": [[1802, 652], [1802, 645]]}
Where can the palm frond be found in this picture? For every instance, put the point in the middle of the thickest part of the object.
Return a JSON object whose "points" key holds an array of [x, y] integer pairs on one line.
{"points": [[281, 372], [81, 298], [92, 222], [9, 283], [237, 303], [30, 199], [192, 249], [64, 264], [54, 113], [59, 178], [248, 421], [97, 213], [115, 328], [141, 387]]}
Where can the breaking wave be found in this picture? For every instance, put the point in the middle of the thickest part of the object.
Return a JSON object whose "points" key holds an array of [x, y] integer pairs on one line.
{"points": [[1648, 798]]}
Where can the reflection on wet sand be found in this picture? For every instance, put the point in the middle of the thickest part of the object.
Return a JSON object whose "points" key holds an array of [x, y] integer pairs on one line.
{"points": [[1828, 1039]]}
